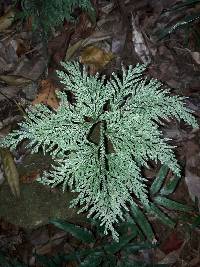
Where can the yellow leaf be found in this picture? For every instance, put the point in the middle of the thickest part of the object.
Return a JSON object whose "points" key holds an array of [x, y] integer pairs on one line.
{"points": [[95, 57], [6, 20]]}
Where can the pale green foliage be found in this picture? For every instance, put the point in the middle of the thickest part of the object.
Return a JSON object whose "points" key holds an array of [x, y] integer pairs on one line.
{"points": [[104, 171]]}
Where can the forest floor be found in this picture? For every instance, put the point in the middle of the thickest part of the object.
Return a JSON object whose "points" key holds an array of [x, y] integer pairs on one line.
{"points": [[125, 32]]}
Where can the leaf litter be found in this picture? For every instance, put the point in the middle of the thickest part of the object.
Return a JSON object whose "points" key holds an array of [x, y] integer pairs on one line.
{"points": [[27, 75]]}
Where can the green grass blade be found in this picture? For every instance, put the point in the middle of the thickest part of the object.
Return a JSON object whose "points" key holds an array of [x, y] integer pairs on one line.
{"points": [[185, 4], [78, 232], [158, 181], [161, 216], [180, 24], [142, 222], [171, 204], [170, 186]]}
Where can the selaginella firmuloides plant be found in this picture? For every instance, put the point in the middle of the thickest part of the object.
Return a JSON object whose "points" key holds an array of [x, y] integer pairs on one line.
{"points": [[105, 171]]}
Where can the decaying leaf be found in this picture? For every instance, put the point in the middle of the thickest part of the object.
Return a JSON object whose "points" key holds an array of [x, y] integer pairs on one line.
{"points": [[14, 79], [95, 57], [47, 94], [140, 47], [6, 20], [10, 171]]}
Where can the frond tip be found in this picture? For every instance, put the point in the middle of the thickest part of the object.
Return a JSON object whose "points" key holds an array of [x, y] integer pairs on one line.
{"points": [[98, 152]]}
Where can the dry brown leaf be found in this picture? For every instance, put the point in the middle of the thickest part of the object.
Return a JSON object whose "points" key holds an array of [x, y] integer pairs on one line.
{"points": [[22, 47], [95, 57], [10, 171], [47, 94], [6, 20]]}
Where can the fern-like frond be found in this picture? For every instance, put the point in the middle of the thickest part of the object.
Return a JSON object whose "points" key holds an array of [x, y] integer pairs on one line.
{"points": [[47, 14]]}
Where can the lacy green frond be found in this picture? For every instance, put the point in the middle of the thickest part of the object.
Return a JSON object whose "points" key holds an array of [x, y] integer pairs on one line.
{"points": [[100, 141]]}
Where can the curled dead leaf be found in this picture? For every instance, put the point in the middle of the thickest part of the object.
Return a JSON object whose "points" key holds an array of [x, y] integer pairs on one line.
{"points": [[10, 171]]}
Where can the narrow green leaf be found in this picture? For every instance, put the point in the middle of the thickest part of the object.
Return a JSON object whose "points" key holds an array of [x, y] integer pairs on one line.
{"points": [[184, 4], [142, 221], [78, 232], [171, 204], [180, 24], [188, 19], [135, 247], [158, 181], [170, 186], [161, 215]]}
